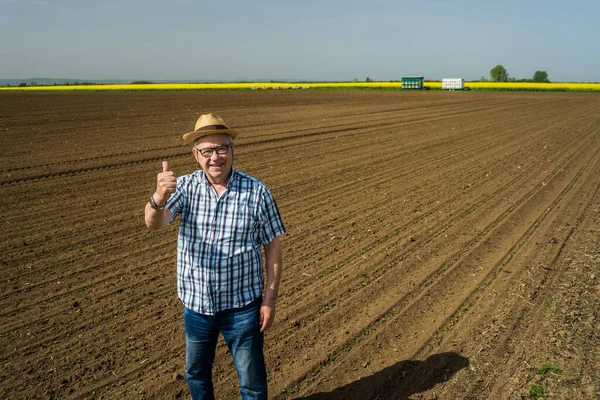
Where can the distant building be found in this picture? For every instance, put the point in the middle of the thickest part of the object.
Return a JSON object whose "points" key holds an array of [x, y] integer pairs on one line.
{"points": [[412, 82], [453, 84]]}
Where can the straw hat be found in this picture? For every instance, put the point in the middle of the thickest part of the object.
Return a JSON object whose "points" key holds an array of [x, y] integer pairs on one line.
{"points": [[208, 124]]}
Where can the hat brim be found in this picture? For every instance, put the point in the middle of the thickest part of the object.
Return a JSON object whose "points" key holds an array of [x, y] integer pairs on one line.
{"points": [[190, 137]]}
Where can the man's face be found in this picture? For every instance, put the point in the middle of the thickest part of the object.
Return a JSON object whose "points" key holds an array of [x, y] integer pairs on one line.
{"points": [[216, 166]]}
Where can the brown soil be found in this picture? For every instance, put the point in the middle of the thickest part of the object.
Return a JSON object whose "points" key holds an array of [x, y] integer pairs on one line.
{"points": [[439, 245]]}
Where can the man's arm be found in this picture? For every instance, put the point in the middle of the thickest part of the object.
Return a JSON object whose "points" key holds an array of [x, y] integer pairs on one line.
{"points": [[157, 219], [166, 183], [273, 265]]}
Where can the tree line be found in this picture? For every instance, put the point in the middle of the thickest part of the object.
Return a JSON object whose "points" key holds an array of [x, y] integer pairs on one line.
{"points": [[500, 74]]}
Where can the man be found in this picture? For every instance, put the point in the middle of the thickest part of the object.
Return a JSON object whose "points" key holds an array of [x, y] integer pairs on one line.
{"points": [[225, 218]]}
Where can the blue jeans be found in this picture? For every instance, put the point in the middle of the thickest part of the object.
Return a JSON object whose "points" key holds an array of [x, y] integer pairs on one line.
{"points": [[241, 329]]}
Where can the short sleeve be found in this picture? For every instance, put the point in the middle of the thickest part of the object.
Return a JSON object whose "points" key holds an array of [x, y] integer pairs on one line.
{"points": [[270, 222]]}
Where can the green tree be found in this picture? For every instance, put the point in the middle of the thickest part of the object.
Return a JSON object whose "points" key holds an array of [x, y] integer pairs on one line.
{"points": [[498, 74], [540, 76]]}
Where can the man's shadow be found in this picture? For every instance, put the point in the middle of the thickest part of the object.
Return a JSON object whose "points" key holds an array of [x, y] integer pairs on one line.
{"points": [[400, 380]]}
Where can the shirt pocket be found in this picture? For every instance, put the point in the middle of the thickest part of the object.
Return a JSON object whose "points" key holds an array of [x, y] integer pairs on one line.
{"points": [[240, 232], [244, 226]]}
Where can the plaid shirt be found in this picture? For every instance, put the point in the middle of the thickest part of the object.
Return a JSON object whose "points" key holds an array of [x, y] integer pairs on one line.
{"points": [[219, 261]]}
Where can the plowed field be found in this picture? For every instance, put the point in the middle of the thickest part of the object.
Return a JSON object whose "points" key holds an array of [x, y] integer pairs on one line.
{"points": [[439, 245]]}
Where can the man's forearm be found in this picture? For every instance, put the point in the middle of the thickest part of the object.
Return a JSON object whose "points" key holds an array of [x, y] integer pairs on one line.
{"points": [[157, 219], [273, 259]]}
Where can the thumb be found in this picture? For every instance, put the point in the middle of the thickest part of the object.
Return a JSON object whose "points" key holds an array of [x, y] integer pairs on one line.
{"points": [[165, 165]]}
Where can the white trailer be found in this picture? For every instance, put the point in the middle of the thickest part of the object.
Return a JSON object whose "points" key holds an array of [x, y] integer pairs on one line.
{"points": [[453, 84]]}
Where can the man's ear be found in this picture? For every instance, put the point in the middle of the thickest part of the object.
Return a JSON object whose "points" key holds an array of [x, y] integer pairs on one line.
{"points": [[196, 154]]}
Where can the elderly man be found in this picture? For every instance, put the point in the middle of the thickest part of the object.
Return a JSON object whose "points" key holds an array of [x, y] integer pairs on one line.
{"points": [[225, 218]]}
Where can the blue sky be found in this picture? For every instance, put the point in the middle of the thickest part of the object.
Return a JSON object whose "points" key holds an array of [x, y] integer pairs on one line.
{"points": [[308, 39]]}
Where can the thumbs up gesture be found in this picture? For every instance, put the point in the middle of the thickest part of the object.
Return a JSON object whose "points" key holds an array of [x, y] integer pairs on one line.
{"points": [[166, 183]]}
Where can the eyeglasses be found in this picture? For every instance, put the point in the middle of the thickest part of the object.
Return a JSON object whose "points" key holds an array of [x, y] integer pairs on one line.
{"points": [[208, 151]]}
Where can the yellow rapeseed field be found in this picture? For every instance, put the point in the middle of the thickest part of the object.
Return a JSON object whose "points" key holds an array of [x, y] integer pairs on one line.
{"points": [[533, 85], [286, 85]]}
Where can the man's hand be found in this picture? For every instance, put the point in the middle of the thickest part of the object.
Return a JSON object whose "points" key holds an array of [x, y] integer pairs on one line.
{"points": [[267, 315], [166, 183]]}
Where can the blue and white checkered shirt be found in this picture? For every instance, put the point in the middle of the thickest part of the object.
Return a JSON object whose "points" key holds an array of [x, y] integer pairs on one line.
{"points": [[219, 261]]}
